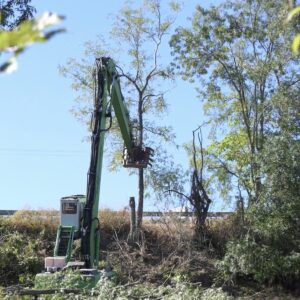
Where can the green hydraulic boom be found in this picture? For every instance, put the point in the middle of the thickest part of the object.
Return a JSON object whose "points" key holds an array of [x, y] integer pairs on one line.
{"points": [[79, 214], [107, 87]]}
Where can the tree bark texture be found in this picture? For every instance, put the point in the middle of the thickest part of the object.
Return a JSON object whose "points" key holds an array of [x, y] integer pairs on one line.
{"points": [[141, 171], [133, 231], [141, 199]]}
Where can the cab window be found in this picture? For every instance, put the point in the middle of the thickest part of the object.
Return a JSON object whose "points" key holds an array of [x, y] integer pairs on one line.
{"points": [[69, 208]]}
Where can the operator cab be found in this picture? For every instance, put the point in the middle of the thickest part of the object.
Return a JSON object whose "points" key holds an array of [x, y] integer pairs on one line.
{"points": [[71, 209]]}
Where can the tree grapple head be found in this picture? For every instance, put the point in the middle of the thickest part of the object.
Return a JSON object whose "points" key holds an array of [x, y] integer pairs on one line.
{"points": [[139, 157]]}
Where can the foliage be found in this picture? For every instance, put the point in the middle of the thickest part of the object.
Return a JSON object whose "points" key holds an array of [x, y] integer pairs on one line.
{"points": [[13, 13], [113, 219], [296, 41], [165, 176], [106, 289], [163, 257], [221, 231], [18, 258], [16, 40], [166, 265], [25, 239], [239, 53], [35, 222], [274, 233], [269, 264]]}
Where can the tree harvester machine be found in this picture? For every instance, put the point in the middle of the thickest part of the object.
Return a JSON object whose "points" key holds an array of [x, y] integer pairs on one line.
{"points": [[78, 213]]}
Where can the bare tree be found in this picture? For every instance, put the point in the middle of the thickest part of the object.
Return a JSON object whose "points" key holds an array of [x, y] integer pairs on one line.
{"points": [[198, 197]]}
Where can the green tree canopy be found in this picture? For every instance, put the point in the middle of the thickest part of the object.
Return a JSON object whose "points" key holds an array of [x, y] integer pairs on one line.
{"points": [[249, 81], [240, 54]]}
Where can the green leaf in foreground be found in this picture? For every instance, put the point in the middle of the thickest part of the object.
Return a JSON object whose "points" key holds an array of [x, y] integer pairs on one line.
{"points": [[29, 32], [296, 44], [296, 41]]}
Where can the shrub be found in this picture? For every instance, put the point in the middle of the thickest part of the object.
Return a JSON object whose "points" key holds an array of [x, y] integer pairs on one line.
{"points": [[18, 258], [259, 261], [270, 251], [25, 239]]}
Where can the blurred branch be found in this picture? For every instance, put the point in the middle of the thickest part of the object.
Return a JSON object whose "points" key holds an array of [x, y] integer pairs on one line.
{"points": [[33, 31]]}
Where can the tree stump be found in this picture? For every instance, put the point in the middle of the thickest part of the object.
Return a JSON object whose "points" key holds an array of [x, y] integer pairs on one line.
{"points": [[132, 237]]}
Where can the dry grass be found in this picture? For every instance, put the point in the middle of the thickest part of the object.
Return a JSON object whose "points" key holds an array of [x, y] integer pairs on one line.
{"points": [[112, 224], [220, 231], [113, 219], [167, 252], [166, 234], [166, 249], [33, 222]]}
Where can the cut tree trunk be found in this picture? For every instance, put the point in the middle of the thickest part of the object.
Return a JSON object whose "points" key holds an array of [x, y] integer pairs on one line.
{"points": [[141, 199], [132, 237]]}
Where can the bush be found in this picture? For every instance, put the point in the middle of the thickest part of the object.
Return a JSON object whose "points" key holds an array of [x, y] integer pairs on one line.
{"points": [[25, 239], [263, 263], [270, 251], [19, 261]]}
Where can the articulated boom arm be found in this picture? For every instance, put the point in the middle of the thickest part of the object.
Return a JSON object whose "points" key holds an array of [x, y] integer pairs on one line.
{"points": [[134, 156], [117, 102], [107, 96]]}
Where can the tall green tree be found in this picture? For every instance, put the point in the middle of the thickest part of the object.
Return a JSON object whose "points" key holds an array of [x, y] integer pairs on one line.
{"points": [[138, 34], [240, 53], [250, 85]]}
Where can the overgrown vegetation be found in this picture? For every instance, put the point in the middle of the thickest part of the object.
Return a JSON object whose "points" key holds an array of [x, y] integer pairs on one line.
{"points": [[169, 262], [24, 239], [239, 54], [249, 81]]}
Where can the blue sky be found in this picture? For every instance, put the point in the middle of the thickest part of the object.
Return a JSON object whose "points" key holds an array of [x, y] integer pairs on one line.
{"points": [[42, 153]]}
